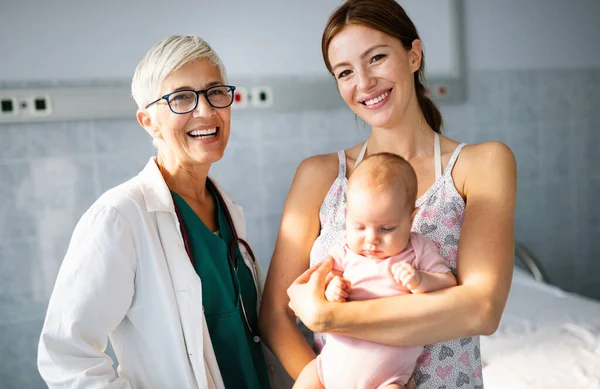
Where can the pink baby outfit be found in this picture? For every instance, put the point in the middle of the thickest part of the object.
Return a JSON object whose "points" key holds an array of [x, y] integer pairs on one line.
{"points": [[452, 364], [346, 362]]}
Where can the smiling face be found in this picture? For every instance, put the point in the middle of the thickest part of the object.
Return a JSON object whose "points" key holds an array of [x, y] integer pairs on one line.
{"points": [[198, 137], [375, 74]]}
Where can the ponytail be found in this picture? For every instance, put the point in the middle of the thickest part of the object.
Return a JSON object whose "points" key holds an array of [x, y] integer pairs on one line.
{"points": [[431, 112]]}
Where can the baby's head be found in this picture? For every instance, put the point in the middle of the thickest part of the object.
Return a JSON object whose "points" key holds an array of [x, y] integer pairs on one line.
{"points": [[382, 191]]}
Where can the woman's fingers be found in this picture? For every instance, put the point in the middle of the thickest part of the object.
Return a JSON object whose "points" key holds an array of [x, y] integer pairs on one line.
{"points": [[322, 269], [319, 275]]}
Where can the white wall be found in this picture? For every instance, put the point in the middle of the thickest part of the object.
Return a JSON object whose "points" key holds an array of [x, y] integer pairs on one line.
{"points": [[83, 40], [532, 34], [87, 40]]}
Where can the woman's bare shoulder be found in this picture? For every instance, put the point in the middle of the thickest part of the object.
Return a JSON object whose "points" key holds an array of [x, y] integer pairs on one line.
{"points": [[318, 171], [486, 153], [485, 162]]}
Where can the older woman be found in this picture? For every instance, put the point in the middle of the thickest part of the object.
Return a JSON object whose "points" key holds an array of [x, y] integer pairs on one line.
{"points": [[159, 264]]}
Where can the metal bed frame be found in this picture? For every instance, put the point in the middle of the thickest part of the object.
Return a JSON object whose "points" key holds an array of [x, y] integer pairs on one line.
{"points": [[526, 258]]}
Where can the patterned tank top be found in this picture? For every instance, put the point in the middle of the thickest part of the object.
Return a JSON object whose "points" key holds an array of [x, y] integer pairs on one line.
{"points": [[452, 364]]}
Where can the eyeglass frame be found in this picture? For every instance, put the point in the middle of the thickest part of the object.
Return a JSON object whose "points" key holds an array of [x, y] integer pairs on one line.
{"points": [[198, 93]]}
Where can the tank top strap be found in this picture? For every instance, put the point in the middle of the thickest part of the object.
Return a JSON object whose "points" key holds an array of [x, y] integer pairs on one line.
{"points": [[453, 158], [342, 168], [361, 155], [437, 156]]}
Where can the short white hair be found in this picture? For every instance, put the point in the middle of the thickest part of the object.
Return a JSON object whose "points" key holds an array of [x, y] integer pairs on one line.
{"points": [[164, 58]]}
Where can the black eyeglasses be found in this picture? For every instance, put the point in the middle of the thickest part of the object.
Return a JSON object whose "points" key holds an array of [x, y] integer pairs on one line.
{"points": [[185, 101]]}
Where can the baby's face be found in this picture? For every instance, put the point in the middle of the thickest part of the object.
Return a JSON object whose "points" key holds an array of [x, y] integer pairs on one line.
{"points": [[377, 224]]}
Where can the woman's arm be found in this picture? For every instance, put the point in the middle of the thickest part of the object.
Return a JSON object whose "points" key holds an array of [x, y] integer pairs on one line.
{"points": [[484, 272], [299, 228], [93, 292]]}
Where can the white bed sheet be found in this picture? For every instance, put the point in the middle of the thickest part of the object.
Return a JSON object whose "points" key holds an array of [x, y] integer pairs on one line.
{"points": [[547, 339]]}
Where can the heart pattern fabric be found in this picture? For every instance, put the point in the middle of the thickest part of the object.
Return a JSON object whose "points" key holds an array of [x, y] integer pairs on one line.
{"points": [[454, 364]]}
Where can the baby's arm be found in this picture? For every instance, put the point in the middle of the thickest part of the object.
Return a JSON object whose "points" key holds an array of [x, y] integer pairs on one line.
{"points": [[337, 290], [420, 281], [337, 287]]}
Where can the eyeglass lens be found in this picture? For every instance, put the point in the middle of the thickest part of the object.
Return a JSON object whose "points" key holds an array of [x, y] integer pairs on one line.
{"points": [[185, 101]]}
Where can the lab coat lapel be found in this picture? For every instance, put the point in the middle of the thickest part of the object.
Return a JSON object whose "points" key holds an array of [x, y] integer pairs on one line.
{"points": [[186, 283]]}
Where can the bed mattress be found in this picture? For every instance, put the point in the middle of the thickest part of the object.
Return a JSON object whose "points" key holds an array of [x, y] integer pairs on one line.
{"points": [[547, 339]]}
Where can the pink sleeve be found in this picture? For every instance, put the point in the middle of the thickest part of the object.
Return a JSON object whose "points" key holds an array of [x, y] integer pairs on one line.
{"points": [[428, 256], [338, 252]]}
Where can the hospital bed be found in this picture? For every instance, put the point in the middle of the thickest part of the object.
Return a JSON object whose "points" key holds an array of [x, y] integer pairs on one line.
{"points": [[547, 338]]}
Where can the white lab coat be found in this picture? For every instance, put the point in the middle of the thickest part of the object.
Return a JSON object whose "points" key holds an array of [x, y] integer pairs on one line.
{"points": [[126, 274]]}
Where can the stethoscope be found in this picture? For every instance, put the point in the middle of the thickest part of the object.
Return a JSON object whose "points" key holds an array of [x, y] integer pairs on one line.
{"points": [[236, 240]]}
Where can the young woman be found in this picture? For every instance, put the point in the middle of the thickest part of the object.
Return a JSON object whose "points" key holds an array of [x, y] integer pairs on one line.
{"points": [[466, 200]]}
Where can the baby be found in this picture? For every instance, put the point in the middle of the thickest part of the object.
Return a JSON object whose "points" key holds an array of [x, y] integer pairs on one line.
{"points": [[379, 256]]}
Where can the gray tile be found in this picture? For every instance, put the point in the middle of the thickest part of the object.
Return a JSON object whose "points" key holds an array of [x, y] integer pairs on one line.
{"points": [[528, 227], [21, 297], [556, 151], [49, 253], [585, 141], [60, 139], [552, 95], [487, 133], [556, 254], [522, 96], [279, 164], [246, 129], [333, 145], [239, 173], [525, 145], [15, 141], [281, 127], [487, 96], [588, 269], [559, 212], [120, 136], [270, 231], [318, 126], [18, 367], [584, 94], [17, 216], [255, 238], [115, 169], [588, 213], [64, 184], [16, 180], [455, 116]]}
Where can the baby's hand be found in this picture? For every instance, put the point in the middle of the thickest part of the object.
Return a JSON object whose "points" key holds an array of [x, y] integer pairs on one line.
{"points": [[406, 275], [337, 290]]}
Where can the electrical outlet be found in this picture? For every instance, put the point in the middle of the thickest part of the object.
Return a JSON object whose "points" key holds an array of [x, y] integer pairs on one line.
{"points": [[240, 97], [261, 96], [40, 105], [22, 105], [439, 91], [8, 106]]}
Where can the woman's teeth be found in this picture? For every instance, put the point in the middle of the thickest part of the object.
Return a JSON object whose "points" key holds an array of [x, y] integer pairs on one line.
{"points": [[203, 134], [376, 99]]}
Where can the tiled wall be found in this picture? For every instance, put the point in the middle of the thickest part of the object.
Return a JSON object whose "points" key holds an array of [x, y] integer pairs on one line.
{"points": [[50, 173]]}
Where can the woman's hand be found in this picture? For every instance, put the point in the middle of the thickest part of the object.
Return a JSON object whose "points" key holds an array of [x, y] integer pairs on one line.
{"points": [[307, 296]]}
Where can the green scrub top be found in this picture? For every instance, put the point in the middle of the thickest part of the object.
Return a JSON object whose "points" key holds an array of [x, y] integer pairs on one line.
{"points": [[240, 359]]}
